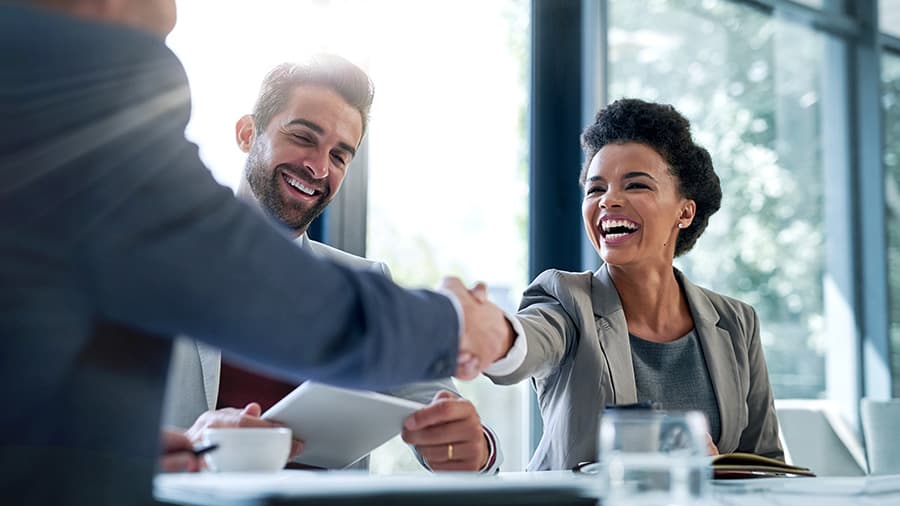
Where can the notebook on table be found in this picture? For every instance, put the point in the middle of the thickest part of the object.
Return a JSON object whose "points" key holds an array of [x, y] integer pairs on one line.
{"points": [[747, 465]]}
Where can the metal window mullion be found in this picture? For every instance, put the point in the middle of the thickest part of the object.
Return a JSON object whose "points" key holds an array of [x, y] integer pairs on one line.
{"points": [[345, 218], [554, 238], [595, 85], [843, 361], [867, 140]]}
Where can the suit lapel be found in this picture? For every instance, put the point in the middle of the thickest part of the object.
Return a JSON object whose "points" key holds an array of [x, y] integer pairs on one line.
{"points": [[720, 359], [612, 332], [210, 367]]}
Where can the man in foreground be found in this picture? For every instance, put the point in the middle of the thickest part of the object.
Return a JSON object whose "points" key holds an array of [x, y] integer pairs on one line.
{"points": [[116, 238]]}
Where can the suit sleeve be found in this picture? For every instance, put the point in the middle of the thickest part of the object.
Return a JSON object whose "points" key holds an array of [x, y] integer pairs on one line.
{"points": [[549, 330], [761, 435], [168, 250]]}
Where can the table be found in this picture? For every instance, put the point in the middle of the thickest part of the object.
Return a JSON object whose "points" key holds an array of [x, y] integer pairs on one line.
{"points": [[822, 491], [333, 488], [330, 488]]}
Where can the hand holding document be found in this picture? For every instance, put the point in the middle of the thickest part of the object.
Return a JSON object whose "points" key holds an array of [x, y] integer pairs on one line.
{"points": [[337, 425], [486, 336], [448, 434]]}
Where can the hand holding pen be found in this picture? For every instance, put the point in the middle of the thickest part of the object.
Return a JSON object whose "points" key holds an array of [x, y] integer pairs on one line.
{"points": [[178, 453]]}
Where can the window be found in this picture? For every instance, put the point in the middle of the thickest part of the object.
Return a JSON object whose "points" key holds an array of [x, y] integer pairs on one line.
{"points": [[448, 171], [751, 87], [447, 140], [889, 16], [891, 101]]}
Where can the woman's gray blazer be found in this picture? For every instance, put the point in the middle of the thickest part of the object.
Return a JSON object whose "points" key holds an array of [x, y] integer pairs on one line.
{"points": [[579, 360]]}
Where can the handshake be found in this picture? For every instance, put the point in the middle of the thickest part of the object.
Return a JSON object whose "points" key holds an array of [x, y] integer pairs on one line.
{"points": [[486, 335]]}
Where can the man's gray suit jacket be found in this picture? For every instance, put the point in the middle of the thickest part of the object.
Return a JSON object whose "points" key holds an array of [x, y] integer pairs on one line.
{"points": [[115, 238], [193, 385], [579, 359]]}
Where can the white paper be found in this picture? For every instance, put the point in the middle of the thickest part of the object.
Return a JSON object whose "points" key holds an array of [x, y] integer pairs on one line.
{"points": [[340, 426]]}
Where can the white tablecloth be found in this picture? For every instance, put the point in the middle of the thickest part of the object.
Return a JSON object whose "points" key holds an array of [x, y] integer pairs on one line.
{"points": [[224, 488], [823, 491]]}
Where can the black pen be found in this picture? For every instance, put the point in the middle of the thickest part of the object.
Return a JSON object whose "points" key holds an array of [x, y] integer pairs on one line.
{"points": [[205, 449]]}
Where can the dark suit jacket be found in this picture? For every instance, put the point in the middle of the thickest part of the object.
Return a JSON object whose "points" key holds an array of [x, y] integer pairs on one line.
{"points": [[579, 359], [114, 237]]}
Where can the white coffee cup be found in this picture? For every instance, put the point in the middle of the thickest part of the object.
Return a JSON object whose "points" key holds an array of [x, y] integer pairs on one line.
{"points": [[248, 449]]}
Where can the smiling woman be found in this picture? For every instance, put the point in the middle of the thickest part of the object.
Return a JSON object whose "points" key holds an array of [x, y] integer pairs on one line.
{"points": [[638, 327]]}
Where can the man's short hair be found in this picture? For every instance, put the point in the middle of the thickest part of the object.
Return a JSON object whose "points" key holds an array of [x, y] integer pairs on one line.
{"points": [[328, 70]]}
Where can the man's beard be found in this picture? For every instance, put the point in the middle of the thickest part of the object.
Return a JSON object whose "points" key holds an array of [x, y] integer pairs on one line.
{"points": [[265, 188]]}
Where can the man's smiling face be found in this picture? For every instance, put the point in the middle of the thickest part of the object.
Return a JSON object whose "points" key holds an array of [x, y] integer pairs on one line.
{"points": [[297, 163]]}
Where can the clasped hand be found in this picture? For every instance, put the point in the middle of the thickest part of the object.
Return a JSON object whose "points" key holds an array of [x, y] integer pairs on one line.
{"points": [[486, 336]]}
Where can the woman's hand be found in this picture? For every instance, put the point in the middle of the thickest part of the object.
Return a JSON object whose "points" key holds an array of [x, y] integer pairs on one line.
{"points": [[711, 447]]}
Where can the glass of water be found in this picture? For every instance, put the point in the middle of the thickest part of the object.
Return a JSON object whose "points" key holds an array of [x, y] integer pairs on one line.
{"points": [[653, 457]]}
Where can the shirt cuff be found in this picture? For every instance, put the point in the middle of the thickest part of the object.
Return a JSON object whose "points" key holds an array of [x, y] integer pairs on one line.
{"points": [[495, 456], [515, 357]]}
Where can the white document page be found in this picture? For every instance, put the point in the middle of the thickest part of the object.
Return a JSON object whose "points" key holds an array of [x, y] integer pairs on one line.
{"points": [[340, 426]]}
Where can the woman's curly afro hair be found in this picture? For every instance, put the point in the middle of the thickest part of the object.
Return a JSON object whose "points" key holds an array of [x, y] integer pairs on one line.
{"points": [[661, 127]]}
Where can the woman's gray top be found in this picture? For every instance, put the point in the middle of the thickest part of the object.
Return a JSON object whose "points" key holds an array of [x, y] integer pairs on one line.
{"points": [[675, 376]]}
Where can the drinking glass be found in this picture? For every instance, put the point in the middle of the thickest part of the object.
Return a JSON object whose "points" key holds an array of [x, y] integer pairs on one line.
{"points": [[653, 457]]}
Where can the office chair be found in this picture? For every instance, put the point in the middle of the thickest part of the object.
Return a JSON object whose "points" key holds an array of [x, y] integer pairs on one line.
{"points": [[814, 435], [880, 420]]}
